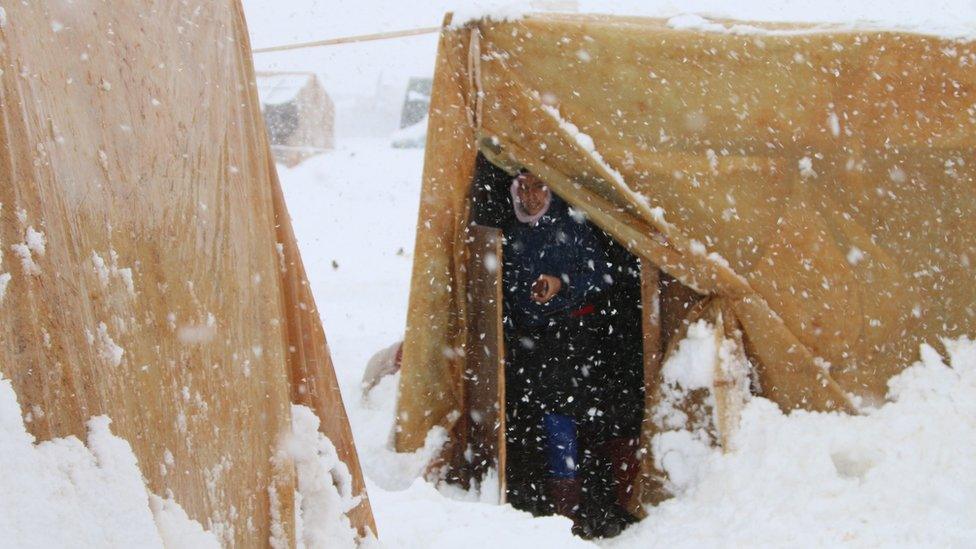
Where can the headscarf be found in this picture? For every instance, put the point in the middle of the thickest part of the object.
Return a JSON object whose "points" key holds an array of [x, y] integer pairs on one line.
{"points": [[520, 212]]}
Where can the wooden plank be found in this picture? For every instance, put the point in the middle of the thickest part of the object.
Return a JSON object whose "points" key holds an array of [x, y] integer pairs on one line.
{"points": [[676, 301], [484, 375], [653, 353]]}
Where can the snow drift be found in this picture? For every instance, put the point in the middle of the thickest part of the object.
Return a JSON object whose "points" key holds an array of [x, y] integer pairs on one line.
{"points": [[324, 493], [900, 474], [60, 493]]}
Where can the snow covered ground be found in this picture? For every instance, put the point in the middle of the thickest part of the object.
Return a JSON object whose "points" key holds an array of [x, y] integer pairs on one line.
{"points": [[62, 493], [898, 476]]}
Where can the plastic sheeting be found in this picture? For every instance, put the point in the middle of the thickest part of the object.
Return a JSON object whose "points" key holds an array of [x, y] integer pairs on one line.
{"points": [[149, 270], [817, 181]]}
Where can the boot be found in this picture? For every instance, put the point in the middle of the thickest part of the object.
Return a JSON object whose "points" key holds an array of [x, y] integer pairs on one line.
{"points": [[622, 453], [600, 517], [564, 494], [600, 514]]}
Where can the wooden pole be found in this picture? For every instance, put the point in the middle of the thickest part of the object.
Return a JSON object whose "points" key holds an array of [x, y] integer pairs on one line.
{"points": [[349, 39]]}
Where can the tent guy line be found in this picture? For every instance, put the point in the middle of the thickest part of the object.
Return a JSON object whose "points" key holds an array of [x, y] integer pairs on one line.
{"points": [[349, 39]]}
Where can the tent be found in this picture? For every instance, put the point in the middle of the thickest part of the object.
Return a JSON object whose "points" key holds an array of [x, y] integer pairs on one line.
{"points": [[150, 271], [413, 116], [416, 101], [299, 115], [810, 187]]}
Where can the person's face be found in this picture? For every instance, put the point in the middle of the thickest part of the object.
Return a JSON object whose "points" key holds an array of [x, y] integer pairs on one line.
{"points": [[532, 192]]}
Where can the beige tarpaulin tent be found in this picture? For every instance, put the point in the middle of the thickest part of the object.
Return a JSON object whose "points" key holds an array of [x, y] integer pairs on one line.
{"points": [[816, 183], [149, 269]]}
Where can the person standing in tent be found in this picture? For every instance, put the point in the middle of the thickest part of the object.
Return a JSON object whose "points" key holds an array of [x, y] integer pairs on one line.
{"points": [[555, 270]]}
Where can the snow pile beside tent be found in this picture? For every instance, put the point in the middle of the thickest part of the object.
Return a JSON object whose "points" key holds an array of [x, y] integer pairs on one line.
{"points": [[704, 386], [411, 137], [60, 493], [897, 475], [374, 418], [176, 528], [324, 492]]}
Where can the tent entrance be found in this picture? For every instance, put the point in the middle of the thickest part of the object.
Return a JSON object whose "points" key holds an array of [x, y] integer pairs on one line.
{"points": [[631, 347]]}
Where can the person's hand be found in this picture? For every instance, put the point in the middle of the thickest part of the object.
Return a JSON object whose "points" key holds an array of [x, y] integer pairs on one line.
{"points": [[545, 288]]}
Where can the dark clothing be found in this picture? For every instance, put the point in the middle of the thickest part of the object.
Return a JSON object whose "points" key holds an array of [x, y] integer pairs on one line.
{"points": [[558, 245], [622, 338], [554, 347], [529, 472], [558, 368], [564, 358], [562, 453]]}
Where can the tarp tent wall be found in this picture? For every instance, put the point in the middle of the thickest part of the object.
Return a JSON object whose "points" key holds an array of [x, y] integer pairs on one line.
{"points": [[817, 181], [150, 272]]}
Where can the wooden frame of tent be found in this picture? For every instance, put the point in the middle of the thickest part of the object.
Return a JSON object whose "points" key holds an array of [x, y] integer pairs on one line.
{"points": [[811, 182]]}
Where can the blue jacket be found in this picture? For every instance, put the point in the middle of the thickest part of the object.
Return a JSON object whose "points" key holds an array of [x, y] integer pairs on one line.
{"points": [[558, 245]]}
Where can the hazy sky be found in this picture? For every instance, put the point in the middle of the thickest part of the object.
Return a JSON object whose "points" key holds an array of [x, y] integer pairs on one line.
{"points": [[278, 21], [361, 69]]}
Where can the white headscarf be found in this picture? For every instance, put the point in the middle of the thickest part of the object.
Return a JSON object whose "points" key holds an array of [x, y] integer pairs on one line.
{"points": [[520, 212]]}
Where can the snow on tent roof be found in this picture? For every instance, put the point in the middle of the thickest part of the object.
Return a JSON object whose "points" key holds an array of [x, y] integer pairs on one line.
{"points": [[275, 89]]}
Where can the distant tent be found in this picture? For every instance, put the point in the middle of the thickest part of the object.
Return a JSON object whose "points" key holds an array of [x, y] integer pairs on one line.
{"points": [[416, 102], [150, 270], [298, 113], [809, 188], [413, 116]]}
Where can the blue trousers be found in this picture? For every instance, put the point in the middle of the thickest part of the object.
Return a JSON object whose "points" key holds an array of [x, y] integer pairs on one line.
{"points": [[562, 447]]}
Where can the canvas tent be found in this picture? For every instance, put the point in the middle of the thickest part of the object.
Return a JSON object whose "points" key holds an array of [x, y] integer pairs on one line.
{"points": [[810, 186], [298, 113], [150, 271]]}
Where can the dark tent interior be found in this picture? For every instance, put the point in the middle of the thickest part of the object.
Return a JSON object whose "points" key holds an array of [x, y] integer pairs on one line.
{"points": [[609, 441]]}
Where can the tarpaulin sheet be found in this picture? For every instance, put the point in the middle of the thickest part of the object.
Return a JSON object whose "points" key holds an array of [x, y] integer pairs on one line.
{"points": [[149, 271]]}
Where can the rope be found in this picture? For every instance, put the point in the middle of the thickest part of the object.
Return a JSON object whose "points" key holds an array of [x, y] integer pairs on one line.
{"points": [[349, 39]]}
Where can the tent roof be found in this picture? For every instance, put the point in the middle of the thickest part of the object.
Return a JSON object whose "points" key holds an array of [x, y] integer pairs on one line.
{"points": [[278, 88]]}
